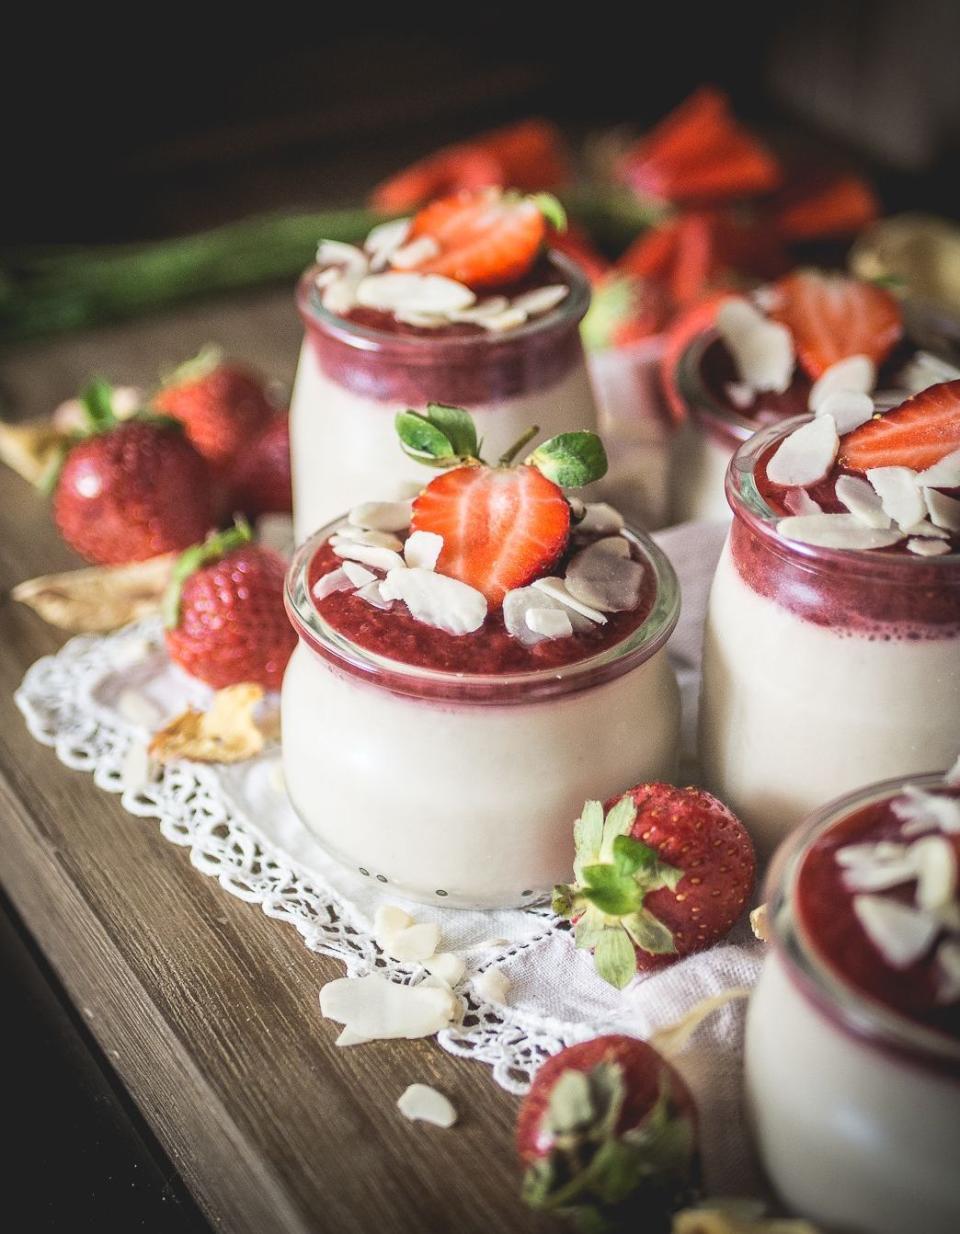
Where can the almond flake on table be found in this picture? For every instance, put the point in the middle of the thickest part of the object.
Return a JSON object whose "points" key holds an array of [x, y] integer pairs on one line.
{"points": [[372, 594], [556, 588], [382, 516], [436, 599], [380, 1010], [423, 548], [861, 499], [359, 575], [899, 494], [327, 584], [541, 300], [383, 241], [492, 986], [944, 511], [806, 455], [852, 374], [837, 531], [928, 548], [421, 1103], [943, 474], [519, 602], [421, 249], [762, 350], [137, 770], [848, 409], [799, 501], [599, 519], [368, 554], [414, 943], [549, 622], [922, 811], [347, 533], [604, 580], [948, 977], [413, 293], [935, 863], [446, 965], [900, 933]]}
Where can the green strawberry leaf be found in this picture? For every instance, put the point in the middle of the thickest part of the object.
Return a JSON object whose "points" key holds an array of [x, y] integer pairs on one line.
{"points": [[571, 460], [551, 209], [649, 933], [618, 822], [424, 441], [632, 856], [563, 900], [215, 546], [97, 400], [587, 836], [587, 931], [615, 957], [613, 893], [610, 306], [457, 426]]}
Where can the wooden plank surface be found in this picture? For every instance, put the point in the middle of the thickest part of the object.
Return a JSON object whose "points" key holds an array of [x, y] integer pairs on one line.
{"points": [[208, 1009]]}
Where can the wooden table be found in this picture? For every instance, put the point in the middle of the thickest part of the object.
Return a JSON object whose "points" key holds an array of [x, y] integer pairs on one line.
{"points": [[208, 1009]]}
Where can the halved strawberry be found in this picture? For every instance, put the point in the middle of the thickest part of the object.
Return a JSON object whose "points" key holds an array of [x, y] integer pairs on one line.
{"points": [[917, 434], [832, 316], [839, 206], [501, 527], [486, 239]]}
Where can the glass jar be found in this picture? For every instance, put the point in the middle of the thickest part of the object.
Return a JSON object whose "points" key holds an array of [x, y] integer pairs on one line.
{"points": [[351, 380], [855, 1108], [462, 789], [823, 669]]}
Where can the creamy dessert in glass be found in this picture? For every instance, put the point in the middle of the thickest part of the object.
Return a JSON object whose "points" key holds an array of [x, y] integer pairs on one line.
{"points": [[853, 1032], [757, 359], [471, 668], [832, 640], [385, 330]]}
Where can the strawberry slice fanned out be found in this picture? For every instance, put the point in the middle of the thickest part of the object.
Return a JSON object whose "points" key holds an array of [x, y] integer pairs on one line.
{"points": [[832, 316], [917, 434], [501, 527], [484, 239]]}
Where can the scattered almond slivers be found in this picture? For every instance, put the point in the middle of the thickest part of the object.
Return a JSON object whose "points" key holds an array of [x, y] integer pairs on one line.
{"points": [[762, 350], [899, 494], [226, 733], [492, 986], [760, 923], [837, 531], [99, 598], [806, 455], [375, 1009], [851, 375], [421, 1103]]}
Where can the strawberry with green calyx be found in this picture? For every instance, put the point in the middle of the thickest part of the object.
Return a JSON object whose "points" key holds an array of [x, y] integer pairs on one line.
{"points": [[623, 310], [664, 872], [125, 490], [502, 526], [608, 1132], [224, 614]]}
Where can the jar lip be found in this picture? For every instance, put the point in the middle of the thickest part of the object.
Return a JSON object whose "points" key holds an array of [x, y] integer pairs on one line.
{"points": [[571, 309], [748, 504], [705, 408], [838, 998], [635, 648]]}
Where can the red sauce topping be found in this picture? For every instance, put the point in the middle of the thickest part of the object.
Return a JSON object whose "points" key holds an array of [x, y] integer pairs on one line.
{"points": [[824, 907], [396, 634]]}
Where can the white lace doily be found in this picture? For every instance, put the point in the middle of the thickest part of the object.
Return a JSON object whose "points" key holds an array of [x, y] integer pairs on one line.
{"points": [[99, 699]]}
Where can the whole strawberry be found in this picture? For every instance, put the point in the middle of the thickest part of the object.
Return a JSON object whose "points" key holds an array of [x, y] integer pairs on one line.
{"points": [[224, 612], [260, 480], [221, 404], [608, 1132], [665, 871], [129, 490]]}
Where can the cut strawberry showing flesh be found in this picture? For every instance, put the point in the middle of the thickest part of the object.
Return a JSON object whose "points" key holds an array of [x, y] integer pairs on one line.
{"points": [[917, 434], [832, 317], [485, 239], [501, 528]]}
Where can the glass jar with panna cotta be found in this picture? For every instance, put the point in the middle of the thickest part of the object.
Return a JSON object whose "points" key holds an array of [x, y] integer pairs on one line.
{"points": [[450, 767], [852, 1049]]}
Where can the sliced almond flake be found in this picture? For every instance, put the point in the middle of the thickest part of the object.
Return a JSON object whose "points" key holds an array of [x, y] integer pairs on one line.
{"points": [[436, 599], [415, 253], [935, 862], [423, 1104], [416, 942], [556, 588], [98, 598], [605, 580], [541, 300], [944, 511], [226, 733], [138, 770], [337, 253], [799, 501], [852, 374], [382, 516], [359, 575], [578, 509], [600, 519], [948, 971], [368, 554], [928, 548], [347, 533], [927, 530], [519, 602], [619, 546], [848, 409], [762, 350], [899, 494], [327, 584], [423, 321], [492, 986], [861, 499], [837, 531], [388, 921], [383, 241], [549, 622], [881, 875], [340, 295], [492, 306], [869, 854], [324, 278], [348, 1037], [377, 1009], [447, 966], [499, 323], [739, 394], [372, 594], [900, 933], [806, 455], [922, 811], [924, 370], [413, 293], [760, 923], [944, 474], [423, 549]]}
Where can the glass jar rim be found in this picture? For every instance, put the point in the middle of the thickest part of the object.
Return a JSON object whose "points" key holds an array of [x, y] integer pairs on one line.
{"points": [[494, 688], [865, 1017], [571, 310], [705, 408], [749, 505]]}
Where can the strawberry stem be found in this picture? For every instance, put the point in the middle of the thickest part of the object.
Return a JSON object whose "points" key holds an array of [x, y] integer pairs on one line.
{"points": [[215, 546], [509, 455], [97, 400]]}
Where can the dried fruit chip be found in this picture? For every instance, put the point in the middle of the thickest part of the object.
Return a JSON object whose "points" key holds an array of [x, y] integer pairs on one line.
{"points": [[30, 448], [226, 733], [93, 601]]}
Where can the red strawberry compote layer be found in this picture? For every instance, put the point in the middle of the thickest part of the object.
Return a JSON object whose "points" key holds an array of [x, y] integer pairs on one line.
{"points": [[499, 336], [832, 645], [853, 1033], [449, 762]]}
